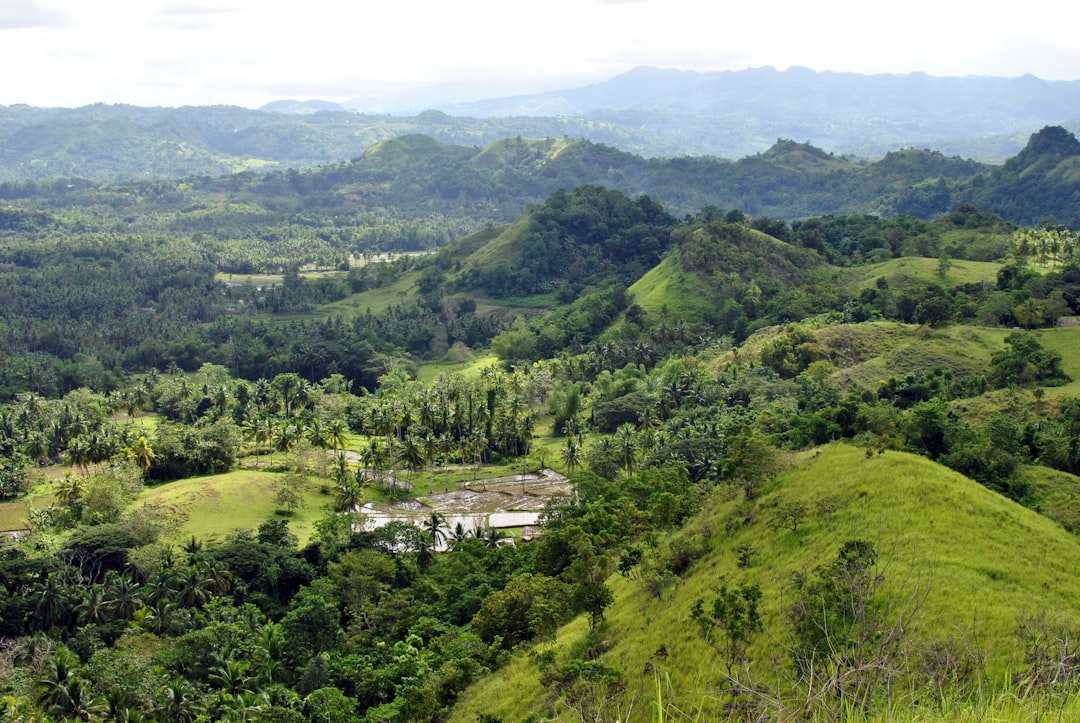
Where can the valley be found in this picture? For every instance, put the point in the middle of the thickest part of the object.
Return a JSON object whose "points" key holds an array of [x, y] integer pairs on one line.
{"points": [[449, 433]]}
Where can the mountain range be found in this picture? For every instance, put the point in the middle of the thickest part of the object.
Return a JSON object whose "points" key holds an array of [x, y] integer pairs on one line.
{"points": [[650, 112]]}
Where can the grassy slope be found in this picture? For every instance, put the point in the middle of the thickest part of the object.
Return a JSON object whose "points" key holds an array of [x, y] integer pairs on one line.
{"points": [[511, 152], [211, 507], [1065, 340], [428, 372], [870, 352], [916, 270], [668, 285], [13, 515], [943, 539]]}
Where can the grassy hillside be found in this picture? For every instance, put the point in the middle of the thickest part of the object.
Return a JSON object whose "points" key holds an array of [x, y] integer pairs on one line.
{"points": [[951, 566], [212, 506], [867, 353], [667, 285], [903, 273], [519, 152]]}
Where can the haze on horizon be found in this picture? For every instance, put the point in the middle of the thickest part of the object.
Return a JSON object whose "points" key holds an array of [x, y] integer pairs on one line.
{"points": [[70, 53]]}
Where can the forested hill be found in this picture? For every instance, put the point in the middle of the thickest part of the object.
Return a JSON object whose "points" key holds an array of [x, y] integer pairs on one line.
{"points": [[789, 181], [648, 111], [416, 181], [574, 240]]}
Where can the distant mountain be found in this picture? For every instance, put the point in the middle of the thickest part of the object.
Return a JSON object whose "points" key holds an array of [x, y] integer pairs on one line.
{"points": [[301, 107], [651, 112], [737, 113]]}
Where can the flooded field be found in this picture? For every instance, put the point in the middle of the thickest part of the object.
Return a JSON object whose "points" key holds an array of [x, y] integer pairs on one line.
{"points": [[511, 503]]}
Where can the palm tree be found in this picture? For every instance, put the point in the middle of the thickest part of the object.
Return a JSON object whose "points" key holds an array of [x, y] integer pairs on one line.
{"points": [[94, 606], [435, 525], [194, 587], [288, 389], [231, 677], [123, 595], [317, 434], [269, 656], [161, 587], [193, 548], [63, 693], [348, 495], [627, 444], [412, 454], [425, 551], [286, 435], [143, 453], [36, 445], [459, 534], [218, 577], [249, 429], [373, 457], [340, 474], [179, 701], [492, 537], [71, 490], [79, 452], [52, 600], [571, 453], [155, 617], [338, 433]]}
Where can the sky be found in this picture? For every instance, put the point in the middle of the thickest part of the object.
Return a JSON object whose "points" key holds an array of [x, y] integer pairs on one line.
{"points": [[70, 53]]}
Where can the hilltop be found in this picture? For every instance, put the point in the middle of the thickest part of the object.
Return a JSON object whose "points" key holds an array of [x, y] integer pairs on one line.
{"points": [[942, 582], [415, 191]]}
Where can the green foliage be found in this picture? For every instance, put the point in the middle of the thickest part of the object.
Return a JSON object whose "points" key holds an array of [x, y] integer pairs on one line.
{"points": [[1025, 362], [530, 607], [289, 491], [312, 624], [574, 240], [730, 623]]}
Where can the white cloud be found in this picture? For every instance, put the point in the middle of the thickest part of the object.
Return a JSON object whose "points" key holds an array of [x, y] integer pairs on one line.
{"points": [[22, 14], [174, 52]]}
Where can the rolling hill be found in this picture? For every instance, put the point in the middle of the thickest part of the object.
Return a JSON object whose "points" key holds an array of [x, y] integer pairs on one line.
{"points": [[957, 568]]}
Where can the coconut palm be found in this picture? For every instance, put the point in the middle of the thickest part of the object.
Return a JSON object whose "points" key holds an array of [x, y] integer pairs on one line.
{"points": [[491, 536], [571, 453], [179, 701], [627, 445], [317, 434], [338, 433], [218, 577], [436, 527], [195, 587], [143, 453], [459, 533], [348, 495], [66, 695], [123, 594], [52, 600], [94, 606]]}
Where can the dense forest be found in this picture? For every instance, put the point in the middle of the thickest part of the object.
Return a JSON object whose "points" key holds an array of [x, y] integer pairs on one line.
{"points": [[211, 389]]}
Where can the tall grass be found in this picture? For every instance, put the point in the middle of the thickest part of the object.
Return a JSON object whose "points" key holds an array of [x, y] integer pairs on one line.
{"points": [[961, 562]]}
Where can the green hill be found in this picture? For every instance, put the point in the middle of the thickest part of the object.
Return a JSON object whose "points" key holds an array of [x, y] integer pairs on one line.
{"points": [[1041, 182], [957, 569], [572, 241], [395, 155], [519, 153], [718, 273]]}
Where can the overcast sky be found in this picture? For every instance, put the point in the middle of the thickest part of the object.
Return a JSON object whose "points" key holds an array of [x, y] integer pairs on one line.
{"points": [[249, 52]]}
